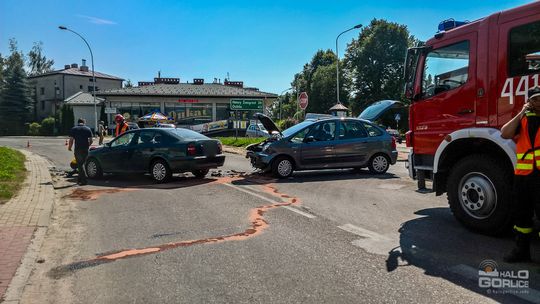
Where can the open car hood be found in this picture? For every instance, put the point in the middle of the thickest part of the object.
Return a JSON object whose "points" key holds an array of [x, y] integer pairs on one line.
{"points": [[267, 122], [377, 109]]}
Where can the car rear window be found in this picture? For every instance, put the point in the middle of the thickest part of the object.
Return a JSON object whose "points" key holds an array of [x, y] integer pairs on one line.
{"points": [[186, 134]]}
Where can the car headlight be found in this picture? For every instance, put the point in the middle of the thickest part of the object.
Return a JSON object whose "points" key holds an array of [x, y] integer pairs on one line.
{"points": [[266, 148]]}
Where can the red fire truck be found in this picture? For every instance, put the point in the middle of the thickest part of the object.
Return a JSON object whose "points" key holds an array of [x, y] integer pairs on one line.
{"points": [[464, 84]]}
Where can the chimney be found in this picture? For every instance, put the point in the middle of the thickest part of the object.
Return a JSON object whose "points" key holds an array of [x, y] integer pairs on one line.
{"points": [[198, 81], [74, 65], [67, 66], [83, 67], [83, 63]]}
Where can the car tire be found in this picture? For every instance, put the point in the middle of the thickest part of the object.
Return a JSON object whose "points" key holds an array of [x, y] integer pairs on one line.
{"points": [[480, 194], [379, 164], [282, 167], [160, 171], [93, 169], [201, 173]]}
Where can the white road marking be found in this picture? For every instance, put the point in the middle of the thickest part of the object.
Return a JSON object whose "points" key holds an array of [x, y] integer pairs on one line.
{"points": [[300, 212], [270, 200], [371, 241], [471, 273]]}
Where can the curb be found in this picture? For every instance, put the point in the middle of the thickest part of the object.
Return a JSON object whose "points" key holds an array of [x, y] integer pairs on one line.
{"points": [[38, 194]]}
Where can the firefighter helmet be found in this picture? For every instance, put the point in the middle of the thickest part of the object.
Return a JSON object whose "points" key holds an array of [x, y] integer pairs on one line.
{"points": [[119, 118]]}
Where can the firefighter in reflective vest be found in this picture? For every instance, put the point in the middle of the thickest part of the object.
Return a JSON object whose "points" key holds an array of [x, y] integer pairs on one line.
{"points": [[525, 127], [121, 125]]}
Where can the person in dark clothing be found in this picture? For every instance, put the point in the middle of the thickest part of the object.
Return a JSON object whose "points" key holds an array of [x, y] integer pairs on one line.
{"points": [[525, 128], [81, 135]]}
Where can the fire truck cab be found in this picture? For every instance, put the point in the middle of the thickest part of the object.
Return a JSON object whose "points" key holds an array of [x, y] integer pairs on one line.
{"points": [[464, 84]]}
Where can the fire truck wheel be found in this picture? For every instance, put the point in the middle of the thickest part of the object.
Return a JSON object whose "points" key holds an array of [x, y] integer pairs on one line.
{"points": [[479, 194]]}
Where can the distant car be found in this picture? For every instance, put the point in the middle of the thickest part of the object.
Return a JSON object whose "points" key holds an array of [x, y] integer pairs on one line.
{"points": [[132, 126], [165, 126], [158, 151], [395, 134], [257, 130], [323, 144]]}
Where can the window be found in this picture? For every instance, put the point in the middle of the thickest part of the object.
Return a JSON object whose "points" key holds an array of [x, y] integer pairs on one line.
{"points": [[145, 137], [299, 137], [324, 131], [42, 91], [445, 69], [524, 49], [81, 87], [43, 105], [123, 140], [372, 130], [90, 88], [351, 129]]}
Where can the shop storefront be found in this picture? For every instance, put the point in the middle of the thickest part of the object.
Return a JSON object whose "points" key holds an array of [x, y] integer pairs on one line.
{"points": [[201, 107]]}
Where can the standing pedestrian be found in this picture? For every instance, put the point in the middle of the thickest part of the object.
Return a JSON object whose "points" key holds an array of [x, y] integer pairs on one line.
{"points": [[525, 127], [101, 132], [121, 125], [81, 135]]}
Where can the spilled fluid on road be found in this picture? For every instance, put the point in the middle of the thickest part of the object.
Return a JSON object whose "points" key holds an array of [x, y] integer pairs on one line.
{"points": [[257, 225], [87, 195]]}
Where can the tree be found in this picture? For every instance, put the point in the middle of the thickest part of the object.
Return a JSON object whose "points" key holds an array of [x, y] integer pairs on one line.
{"points": [[38, 63], [128, 84], [15, 101], [318, 79], [374, 63]]}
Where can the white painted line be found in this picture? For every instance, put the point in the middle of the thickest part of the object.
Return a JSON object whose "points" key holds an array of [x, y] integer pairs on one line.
{"points": [[300, 212], [269, 200], [363, 232], [471, 273]]}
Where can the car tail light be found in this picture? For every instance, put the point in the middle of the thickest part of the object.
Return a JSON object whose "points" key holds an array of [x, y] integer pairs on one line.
{"points": [[191, 150], [219, 148], [394, 143], [409, 139]]}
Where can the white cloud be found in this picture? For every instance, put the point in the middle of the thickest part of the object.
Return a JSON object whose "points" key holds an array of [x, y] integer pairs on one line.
{"points": [[96, 20]]}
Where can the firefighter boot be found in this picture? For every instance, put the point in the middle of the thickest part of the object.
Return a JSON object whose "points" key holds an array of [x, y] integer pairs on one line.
{"points": [[521, 251]]}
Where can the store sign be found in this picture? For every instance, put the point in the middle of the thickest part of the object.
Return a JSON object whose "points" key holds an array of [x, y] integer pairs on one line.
{"points": [[188, 100], [246, 104], [110, 110]]}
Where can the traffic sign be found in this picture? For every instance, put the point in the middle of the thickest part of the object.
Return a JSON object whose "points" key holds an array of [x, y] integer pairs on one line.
{"points": [[246, 104], [110, 110], [303, 100]]}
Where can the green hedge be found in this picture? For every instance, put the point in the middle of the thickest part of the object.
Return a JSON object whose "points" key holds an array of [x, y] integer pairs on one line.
{"points": [[240, 142]]}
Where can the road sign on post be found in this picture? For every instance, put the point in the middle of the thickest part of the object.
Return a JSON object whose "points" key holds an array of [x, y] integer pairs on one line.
{"points": [[110, 110], [246, 104], [303, 101]]}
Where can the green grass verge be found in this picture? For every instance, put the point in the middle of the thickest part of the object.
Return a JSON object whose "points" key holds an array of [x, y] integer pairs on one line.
{"points": [[12, 173], [240, 141]]}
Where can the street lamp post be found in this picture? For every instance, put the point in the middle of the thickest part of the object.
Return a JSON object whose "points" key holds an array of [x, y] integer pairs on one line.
{"points": [[93, 75], [337, 62], [280, 101]]}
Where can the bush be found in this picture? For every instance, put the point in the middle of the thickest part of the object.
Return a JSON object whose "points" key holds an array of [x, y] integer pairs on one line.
{"points": [[240, 141], [34, 129], [47, 126]]}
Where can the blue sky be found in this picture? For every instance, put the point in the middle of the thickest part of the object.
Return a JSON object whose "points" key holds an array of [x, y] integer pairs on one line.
{"points": [[263, 43]]}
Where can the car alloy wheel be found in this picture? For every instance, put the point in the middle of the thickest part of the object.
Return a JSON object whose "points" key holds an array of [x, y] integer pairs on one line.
{"points": [[284, 167], [160, 171], [379, 164], [93, 170]]}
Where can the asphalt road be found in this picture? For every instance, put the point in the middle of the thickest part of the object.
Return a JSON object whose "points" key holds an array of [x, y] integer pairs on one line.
{"points": [[318, 237]]}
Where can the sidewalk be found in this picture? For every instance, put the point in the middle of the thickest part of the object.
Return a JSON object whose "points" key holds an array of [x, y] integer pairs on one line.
{"points": [[22, 215]]}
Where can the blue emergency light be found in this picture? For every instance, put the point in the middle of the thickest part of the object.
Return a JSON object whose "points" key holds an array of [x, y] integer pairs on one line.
{"points": [[449, 24]]}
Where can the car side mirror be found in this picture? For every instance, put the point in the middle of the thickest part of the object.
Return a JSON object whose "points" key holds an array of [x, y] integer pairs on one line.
{"points": [[309, 139]]}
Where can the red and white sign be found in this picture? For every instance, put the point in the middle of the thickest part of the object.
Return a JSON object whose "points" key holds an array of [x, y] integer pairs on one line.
{"points": [[303, 100]]}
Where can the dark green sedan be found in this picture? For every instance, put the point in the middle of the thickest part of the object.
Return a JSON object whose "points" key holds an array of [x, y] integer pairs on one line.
{"points": [[160, 152]]}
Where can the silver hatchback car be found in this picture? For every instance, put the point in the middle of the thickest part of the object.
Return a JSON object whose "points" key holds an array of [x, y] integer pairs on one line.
{"points": [[323, 144]]}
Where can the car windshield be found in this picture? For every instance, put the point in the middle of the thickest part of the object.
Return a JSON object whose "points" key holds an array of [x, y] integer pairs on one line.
{"points": [[187, 134], [292, 130]]}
